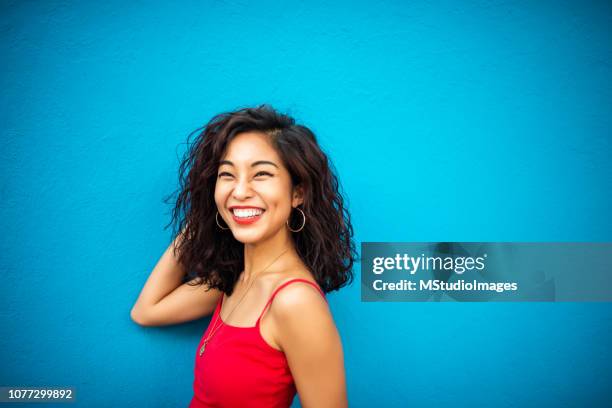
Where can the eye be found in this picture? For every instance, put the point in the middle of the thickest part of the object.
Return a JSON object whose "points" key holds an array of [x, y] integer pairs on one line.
{"points": [[224, 173], [264, 173]]}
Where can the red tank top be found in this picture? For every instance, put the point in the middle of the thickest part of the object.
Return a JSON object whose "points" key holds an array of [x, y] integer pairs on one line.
{"points": [[240, 369]]}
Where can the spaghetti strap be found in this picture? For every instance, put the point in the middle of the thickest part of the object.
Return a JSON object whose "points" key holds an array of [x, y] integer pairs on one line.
{"points": [[282, 286]]}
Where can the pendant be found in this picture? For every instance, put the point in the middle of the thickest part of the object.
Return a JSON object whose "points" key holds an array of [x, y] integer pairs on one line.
{"points": [[202, 349]]}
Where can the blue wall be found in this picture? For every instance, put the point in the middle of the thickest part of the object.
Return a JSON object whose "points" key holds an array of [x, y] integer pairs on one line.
{"points": [[447, 121]]}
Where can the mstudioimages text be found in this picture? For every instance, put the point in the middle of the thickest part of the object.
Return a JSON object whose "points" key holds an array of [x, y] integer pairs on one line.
{"points": [[414, 264], [438, 285]]}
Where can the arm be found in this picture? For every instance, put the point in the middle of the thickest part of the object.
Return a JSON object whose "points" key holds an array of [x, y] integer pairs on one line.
{"points": [[308, 336], [164, 300]]}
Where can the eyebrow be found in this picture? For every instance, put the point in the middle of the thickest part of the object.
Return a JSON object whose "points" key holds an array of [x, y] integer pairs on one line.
{"points": [[222, 162]]}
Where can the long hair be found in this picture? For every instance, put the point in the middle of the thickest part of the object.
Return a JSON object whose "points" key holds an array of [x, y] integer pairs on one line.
{"points": [[214, 256]]}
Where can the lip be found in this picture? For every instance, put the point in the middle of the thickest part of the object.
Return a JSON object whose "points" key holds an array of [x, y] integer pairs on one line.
{"points": [[246, 221]]}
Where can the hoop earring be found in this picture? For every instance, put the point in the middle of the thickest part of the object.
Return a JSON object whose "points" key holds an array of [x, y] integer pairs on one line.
{"points": [[303, 222], [217, 221]]}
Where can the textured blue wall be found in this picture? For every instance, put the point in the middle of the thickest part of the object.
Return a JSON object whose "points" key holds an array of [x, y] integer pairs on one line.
{"points": [[447, 121]]}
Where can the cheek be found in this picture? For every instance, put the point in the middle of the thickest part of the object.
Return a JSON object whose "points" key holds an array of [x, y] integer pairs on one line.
{"points": [[281, 206], [220, 196], [276, 195]]}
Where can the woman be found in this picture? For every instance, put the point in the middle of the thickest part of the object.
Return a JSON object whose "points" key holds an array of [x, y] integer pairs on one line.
{"points": [[264, 235]]}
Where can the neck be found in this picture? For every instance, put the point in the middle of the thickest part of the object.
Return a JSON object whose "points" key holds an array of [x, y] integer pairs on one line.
{"points": [[260, 255]]}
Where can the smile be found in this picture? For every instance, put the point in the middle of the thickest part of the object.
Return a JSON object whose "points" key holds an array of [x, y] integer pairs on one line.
{"points": [[246, 215]]}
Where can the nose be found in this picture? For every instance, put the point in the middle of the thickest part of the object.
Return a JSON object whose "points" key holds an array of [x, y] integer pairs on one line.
{"points": [[242, 189]]}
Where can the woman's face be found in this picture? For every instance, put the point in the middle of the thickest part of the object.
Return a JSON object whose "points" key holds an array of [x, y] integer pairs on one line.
{"points": [[253, 191]]}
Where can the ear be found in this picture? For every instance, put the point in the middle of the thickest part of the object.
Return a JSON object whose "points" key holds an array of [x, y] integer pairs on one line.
{"points": [[298, 196]]}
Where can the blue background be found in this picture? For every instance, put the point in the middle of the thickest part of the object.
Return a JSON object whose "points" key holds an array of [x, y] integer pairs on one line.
{"points": [[447, 121]]}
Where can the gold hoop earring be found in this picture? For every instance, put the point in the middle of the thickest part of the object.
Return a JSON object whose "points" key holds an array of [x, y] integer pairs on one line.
{"points": [[303, 222], [217, 221]]}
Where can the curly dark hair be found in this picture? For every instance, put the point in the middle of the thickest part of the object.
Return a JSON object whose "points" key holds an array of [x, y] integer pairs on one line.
{"points": [[215, 257]]}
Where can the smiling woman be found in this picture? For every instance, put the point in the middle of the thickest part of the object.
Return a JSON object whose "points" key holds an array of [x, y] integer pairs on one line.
{"points": [[264, 235], [263, 184]]}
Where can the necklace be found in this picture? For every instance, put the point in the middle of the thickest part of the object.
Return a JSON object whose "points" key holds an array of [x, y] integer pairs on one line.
{"points": [[215, 328]]}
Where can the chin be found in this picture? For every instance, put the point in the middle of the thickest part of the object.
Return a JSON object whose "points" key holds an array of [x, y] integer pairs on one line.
{"points": [[247, 238]]}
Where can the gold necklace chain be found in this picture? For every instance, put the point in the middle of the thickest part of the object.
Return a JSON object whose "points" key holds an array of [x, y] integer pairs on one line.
{"points": [[214, 330]]}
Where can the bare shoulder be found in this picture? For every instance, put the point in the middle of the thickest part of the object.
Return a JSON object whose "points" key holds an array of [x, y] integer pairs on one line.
{"points": [[306, 333], [304, 276], [299, 302], [299, 289], [304, 326]]}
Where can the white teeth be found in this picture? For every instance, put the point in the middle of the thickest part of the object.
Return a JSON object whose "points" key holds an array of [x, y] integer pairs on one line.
{"points": [[246, 213]]}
